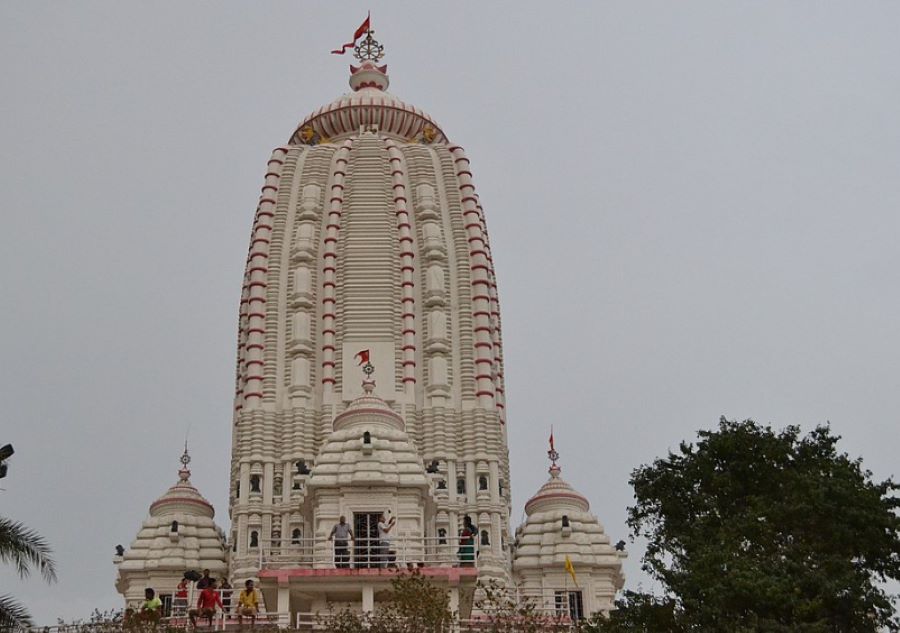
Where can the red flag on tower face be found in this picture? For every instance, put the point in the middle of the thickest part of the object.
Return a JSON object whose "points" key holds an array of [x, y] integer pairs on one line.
{"points": [[358, 34], [363, 357]]}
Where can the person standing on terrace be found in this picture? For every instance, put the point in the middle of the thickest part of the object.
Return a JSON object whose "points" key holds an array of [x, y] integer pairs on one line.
{"points": [[203, 583], [385, 539], [467, 543], [342, 534], [226, 596], [181, 598]]}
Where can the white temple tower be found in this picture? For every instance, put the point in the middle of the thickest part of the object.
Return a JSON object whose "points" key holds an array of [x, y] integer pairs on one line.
{"points": [[369, 244], [370, 382]]}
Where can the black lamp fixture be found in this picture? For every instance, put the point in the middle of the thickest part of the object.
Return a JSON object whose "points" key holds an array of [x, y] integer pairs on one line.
{"points": [[5, 453]]}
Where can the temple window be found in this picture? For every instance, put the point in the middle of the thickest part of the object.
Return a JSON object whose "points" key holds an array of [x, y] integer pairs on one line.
{"points": [[482, 482], [461, 486], [442, 484], [237, 489], [254, 539], [442, 536], [302, 468], [565, 520], [569, 603], [485, 538], [255, 481], [277, 487], [296, 536]]}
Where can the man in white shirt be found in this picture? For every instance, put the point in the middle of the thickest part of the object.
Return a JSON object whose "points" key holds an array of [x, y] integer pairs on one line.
{"points": [[385, 537]]}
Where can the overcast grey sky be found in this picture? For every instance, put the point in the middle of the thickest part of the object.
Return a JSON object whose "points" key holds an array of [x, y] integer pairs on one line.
{"points": [[693, 210]]}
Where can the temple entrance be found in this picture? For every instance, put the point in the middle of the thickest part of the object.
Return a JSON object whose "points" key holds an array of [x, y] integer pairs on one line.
{"points": [[366, 546]]}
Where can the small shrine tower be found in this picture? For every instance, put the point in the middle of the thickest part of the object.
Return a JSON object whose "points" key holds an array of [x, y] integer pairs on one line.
{"points": [[179, 535], [563, 560]]}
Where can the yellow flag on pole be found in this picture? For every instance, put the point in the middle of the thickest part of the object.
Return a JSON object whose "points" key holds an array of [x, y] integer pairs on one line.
{"points": [[571, 569]]}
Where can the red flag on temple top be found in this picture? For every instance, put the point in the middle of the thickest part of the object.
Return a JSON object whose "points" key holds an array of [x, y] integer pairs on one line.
{"points": [[358, 34], [552, 447], [363, 357]]}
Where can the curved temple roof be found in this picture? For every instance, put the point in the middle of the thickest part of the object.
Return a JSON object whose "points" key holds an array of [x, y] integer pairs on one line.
{"points": [[179, 534], [368, 105]]}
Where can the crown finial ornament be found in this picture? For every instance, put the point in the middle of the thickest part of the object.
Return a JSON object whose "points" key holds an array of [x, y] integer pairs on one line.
{"points": [[184, 473], [368, 384], [553, 455], [369, 49]]}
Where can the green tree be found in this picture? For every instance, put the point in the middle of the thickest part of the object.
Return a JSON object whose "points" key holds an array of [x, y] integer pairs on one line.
{"points": [[24, 549], [750, 529], [504, 612], [416, 606], [636, 612]]}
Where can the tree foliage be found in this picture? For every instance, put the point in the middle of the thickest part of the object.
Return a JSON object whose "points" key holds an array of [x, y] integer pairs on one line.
{"points": [[419, 606], [416, 606], [24, 549], [751, 529], [504, 612], [637, 612]]}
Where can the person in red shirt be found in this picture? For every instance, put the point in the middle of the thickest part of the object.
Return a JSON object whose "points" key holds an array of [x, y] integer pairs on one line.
{"points": [[206, 604], [179, 607]]}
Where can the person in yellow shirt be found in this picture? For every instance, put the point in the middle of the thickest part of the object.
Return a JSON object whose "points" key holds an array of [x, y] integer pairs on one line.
{"points": [[151, 609], [248, 604]]}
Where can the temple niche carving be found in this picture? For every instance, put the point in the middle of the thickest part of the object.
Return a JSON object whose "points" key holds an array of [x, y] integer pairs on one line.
{"points": [[437, 324]]}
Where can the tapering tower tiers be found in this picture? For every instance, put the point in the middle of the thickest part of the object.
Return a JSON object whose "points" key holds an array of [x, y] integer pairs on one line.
{"points": [[563, 559], [369, 242], [179, 534]]}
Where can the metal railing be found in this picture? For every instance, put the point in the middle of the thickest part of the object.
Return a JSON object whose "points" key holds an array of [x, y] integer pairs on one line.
{"points": [[319, 622], [366, 553], [223, 621], [180, 609]]}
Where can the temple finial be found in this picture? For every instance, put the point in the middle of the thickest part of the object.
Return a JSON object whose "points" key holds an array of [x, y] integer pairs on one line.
{"points": [[368, 369], [369, 49], [184, 473], [553, 455]]}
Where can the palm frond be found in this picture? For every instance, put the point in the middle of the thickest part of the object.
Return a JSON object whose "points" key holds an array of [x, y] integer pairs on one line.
{"points": [[24, 548], [13, 615]]}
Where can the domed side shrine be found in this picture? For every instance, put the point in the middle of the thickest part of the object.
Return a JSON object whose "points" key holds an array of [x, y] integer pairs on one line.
{"points": [[562, 557], [179, 535], [370, 431]]}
